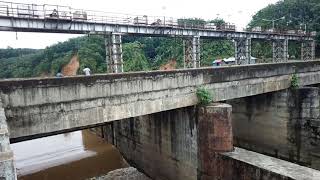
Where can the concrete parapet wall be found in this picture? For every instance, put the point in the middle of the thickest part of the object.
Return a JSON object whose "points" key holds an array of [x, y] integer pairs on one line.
{"points": [[41, 106], [243, 164]]}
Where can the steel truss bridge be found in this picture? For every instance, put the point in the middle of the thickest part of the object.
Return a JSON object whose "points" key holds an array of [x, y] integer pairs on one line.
{"points": [[20, 17]]}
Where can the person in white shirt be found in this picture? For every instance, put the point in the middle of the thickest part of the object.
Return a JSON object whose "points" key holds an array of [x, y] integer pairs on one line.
{"points": [[86, 71]]}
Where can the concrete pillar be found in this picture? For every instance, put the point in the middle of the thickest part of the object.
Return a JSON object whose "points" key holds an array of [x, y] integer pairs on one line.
{"points": [[284, 124], [191, 52], [304, 125], [308, 50], [7, 168], [114, 60], [243, 50], [214, 136], [280, 50]]}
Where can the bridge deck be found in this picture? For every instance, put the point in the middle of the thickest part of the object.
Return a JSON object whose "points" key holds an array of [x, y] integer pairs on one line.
{"points": [[76, 27], [46, 105], [62, 19]]}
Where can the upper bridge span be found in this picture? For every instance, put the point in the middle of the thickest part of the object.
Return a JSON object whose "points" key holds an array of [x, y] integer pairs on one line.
{"points": [[40, 106], [23, 17]]}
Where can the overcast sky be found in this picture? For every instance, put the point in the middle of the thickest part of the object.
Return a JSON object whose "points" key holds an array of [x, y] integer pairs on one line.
{"points": [[238, 12]]}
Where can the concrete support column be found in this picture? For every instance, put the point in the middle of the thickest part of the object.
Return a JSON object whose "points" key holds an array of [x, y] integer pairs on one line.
{"points": [[280, 50], [304, 125], [114, 58], [308, 50], [191, 52], [214, 136], [7, 168], [243, 50]]}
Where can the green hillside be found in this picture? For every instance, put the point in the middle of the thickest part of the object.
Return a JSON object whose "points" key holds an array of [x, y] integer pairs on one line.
{"points": [[139, 53]]}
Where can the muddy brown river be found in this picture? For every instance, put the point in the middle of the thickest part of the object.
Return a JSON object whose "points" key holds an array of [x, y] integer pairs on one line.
{"points": [[76, 155]]}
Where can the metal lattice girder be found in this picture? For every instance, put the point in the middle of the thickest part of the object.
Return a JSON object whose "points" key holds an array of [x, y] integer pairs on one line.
{"points": [[243, 50], [191, 50], [114, 58], [308, 50], [280, 50]]}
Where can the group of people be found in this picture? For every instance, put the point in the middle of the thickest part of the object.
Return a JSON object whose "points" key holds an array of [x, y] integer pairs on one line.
{"points": [[86, 71]]}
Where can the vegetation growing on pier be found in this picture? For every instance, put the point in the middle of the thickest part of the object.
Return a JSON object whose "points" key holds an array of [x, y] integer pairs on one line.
{"points": [[204, 96], [294, 81]]}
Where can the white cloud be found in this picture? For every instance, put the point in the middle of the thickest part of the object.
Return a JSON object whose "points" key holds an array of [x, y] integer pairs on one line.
{"points": [[238, 12]]}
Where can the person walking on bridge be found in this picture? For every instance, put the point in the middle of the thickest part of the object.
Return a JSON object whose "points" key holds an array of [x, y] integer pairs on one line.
{"points": [[87, 71]]}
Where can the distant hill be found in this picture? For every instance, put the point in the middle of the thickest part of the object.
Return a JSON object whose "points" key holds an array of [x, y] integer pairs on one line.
{"points": [[139, 54], [30, 63], [11, 52]]}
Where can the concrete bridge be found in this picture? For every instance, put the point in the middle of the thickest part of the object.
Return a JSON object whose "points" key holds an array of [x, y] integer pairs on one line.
{"points": [[153, 113], [36, 107], [20, 17], [39, 107]]}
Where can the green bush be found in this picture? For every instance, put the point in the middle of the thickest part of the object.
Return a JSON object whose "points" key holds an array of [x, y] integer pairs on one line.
{"points": [[294, 81], [204, 96]]}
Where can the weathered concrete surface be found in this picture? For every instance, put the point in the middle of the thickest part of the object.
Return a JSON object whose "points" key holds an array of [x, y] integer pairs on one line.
{"points": [[214, 135], [7, 168], [244, 164], [167, 146], [129, 173], [40, 106], [215, 128], [284, 124], [163, 145]]}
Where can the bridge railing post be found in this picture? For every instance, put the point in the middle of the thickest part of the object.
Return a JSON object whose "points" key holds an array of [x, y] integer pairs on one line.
{"points": [[243, 50], [114, 59], [191, 52], [308, 50], [280, 50], [7, 167]]}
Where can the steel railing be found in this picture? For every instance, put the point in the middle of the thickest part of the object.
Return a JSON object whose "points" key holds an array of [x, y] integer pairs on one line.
{"points": [[66, 13]]}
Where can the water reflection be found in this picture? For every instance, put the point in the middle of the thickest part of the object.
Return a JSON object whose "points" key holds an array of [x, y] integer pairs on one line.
{"points": [[76, 155]]}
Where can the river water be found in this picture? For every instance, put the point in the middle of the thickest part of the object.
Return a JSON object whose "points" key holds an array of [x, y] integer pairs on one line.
{"points": [[76, 155]]}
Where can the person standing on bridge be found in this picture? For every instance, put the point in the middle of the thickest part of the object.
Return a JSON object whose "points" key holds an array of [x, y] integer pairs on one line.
{"points": [[87, 71], [59, 74]]}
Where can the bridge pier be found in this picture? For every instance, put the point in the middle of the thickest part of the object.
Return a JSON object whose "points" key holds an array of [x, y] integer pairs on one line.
{"points": [[194, 143], [191, 52], [180, 144], [280, 50], [7, 168], [214, 135], [243, 50], [308, 50], [284, 124], [114, 60]]}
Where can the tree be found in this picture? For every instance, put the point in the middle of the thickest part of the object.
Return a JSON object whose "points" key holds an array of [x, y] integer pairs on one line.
{"points": [[215, 49], [134, 58], [299, 14]]}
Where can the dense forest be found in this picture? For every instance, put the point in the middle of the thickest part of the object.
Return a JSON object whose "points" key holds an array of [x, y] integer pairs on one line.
{"points": [[146, 53], [139, 53]]}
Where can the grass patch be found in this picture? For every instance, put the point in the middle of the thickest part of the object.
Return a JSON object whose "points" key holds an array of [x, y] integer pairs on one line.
{"points": [[204, 96]]}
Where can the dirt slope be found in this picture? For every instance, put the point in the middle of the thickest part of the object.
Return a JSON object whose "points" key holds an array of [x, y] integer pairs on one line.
{"points": [[72, 67], [172, 64]]}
